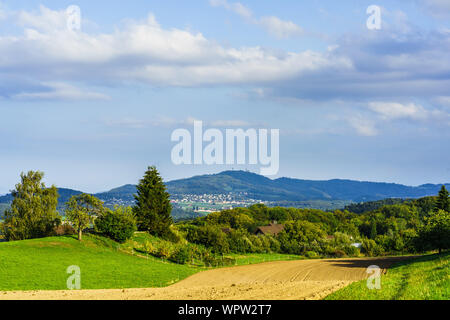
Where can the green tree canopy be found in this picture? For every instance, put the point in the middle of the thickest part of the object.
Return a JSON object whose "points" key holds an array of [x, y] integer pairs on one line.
{"points": [[33, 211], [118, 224], [436, 232], [81, 211], [443, 201], [153, 208]]}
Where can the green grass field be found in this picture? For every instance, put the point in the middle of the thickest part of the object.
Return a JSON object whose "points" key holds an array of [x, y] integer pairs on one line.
{"points": [[41, 264], [423, 278]]}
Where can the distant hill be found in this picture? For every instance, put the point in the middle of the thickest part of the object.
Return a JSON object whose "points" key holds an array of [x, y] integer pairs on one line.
{"points": [[124, 193], [288, 189], [64, 196], [258, 187]]}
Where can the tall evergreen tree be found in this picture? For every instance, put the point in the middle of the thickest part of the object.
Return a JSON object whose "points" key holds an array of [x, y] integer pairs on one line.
{"points": [[443, 201], [33, 210], [153, 208]]}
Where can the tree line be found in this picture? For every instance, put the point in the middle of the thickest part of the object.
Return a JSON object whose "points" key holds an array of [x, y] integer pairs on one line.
{"points": [[387, 227], [403, 227], [33, 212]]}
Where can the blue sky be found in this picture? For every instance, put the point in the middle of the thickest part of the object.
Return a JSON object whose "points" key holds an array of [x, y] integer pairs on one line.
{"points": [[93, 108]]}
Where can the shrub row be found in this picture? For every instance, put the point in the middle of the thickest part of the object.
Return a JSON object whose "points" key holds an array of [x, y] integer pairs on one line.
{"points": [[184, 253]]}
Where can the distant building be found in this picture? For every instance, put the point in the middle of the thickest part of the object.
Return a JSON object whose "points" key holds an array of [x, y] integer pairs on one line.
{"points": [[272, 229]]}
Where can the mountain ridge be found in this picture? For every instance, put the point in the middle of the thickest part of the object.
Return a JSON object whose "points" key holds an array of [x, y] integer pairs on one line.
{"points": [[258, 187]]}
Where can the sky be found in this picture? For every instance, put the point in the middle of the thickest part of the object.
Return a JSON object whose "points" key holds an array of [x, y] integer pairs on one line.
{"points": [[93, 107]]}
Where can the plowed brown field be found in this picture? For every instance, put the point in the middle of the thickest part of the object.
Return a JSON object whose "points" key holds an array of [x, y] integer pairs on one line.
{"points": [[291, 280]]}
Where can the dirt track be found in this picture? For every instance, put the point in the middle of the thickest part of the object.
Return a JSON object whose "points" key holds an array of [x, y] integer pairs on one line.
{"points": [[291, 280]]}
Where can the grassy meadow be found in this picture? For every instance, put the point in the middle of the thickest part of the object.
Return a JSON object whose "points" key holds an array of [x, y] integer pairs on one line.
{"points": [[41, 264], [423, 278]]}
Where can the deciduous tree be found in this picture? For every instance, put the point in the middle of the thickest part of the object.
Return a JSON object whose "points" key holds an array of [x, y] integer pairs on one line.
{"points": [[436, 232], [81, 210], [33, 210]]}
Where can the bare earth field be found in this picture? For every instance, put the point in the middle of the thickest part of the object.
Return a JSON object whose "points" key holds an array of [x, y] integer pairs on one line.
{"points": [[281, 280]]}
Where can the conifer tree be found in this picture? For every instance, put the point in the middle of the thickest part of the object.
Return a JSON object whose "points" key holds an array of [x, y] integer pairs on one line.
{"points": [[153, 208], [443, 201]]}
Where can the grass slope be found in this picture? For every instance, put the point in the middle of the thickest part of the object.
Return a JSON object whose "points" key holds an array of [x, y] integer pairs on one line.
{"points": [[41, 264], [424, 278]]}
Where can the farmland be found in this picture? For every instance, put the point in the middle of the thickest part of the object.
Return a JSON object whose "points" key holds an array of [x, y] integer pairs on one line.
{"points": [[293, 280], [41, 264], [424, 278]]}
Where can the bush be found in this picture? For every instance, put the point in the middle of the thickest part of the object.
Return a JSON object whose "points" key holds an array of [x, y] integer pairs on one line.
{"points": [[265, 241], [148, 247], [275, 245], [341, 239], [311, 254], [339, 253], [209, 236], [257, 245], [182, 255], [435, 234], [118, 224], [208, 258], [64, 230], [298, 237], [238, 242], [351, 251], [370, 248], [172, 235], [228, 261], [164, 250]]}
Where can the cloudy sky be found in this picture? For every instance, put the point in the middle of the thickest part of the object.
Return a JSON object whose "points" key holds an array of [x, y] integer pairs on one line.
{"points": [[93, 107]]}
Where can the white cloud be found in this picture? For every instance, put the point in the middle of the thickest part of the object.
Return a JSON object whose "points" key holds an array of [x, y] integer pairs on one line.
{"points": [[384, 113], [355, 68], [60, 91], [363, 126], [273, 25], [393, 110], [168, 122], [280, 28], [140, 52], [236, 7], [46, 20]]}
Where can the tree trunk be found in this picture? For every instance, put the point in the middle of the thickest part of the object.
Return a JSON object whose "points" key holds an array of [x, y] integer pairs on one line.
{"points": [[440, 250], [79, 234]]}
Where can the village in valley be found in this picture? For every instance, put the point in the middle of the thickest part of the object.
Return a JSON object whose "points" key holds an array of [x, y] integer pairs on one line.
{"points": [[208, 203]]}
